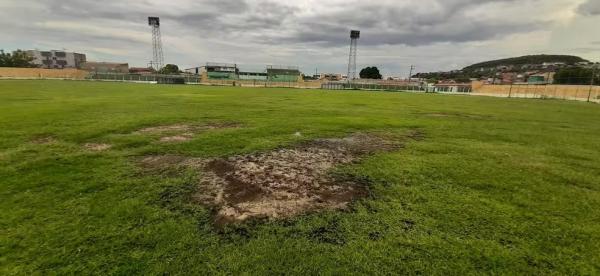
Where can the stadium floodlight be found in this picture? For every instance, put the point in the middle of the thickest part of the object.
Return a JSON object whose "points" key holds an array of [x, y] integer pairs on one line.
{"points": [[354, 36], [157, 51]]}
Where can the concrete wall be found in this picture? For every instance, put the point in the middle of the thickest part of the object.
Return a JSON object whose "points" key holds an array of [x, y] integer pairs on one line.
{"points": [[39, 73], [570, 92]]}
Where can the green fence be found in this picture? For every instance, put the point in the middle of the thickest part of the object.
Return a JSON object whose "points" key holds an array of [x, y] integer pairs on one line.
{"points": [[221, 75], [146, 78]]}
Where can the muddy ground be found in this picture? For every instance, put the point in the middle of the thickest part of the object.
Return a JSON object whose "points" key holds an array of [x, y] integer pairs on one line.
{"points": [[282, 183]]}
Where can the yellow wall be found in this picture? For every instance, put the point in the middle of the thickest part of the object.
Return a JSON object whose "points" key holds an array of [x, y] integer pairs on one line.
{"points": [[35, 73], [538, 91]]}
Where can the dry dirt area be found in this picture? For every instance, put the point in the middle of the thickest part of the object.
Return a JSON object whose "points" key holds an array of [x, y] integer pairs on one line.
{"points": [[44, 140], [97, 147], [177, 138], [453, 114], [284, 182], [177, 133]]}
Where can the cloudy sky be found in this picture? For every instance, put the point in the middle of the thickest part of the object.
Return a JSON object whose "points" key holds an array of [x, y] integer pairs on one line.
{"points": [[431, 34]]}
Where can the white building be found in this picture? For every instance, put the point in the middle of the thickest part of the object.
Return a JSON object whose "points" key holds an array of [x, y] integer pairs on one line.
{"points": [[56, 59]]}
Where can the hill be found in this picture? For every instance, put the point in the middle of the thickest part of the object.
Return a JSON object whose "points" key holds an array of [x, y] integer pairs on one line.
{"points": [[531, 59]]}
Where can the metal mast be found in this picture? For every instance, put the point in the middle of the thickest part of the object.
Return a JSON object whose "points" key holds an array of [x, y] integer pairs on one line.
{"points": [[157, 52], [354, 36]]}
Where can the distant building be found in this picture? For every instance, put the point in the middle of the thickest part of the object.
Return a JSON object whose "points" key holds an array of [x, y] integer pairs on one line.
{"points": [[508, 78], [221, 71], [141, 70], [193, 70], [283, 73], [260, 76], [451, 87], [544, 78], [105, 67], [55, 59], [329, 76]]}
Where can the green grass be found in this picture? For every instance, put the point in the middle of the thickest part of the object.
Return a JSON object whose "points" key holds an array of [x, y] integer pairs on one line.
{"points": [[499, 186]]}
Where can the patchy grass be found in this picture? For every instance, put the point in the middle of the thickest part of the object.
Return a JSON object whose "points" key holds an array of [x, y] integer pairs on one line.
{"points": [[489, 185]]}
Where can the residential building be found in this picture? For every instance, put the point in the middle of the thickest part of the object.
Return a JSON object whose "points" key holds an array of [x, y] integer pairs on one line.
{"points": [[55, 59]]}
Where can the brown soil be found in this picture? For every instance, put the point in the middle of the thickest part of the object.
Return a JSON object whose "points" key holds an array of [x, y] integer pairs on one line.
{"points": [[167, 128], [97, 147], [182, 132], [281, 183], [177, 138], [185, 128], [44, 140], [162, 161], [456, 115], [286, 182]]}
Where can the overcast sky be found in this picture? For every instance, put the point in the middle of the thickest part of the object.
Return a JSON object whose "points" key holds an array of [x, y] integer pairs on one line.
{"points": [[431, 34]]}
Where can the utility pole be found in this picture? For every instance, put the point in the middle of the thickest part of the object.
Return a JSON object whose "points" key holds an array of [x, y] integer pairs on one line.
{"points": [[412, 67]]}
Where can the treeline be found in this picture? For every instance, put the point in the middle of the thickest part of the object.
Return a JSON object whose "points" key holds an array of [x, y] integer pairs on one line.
{"points": [[531, 59], [16, 59], [577, 76], [457, 76]]}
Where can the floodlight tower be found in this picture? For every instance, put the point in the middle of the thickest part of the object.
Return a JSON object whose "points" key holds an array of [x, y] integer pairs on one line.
{"points": [[157, 52], [354, 36]]}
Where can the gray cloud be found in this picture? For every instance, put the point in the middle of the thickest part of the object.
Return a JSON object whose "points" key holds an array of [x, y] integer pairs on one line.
{"points": [[307, 33], [590, 7]]}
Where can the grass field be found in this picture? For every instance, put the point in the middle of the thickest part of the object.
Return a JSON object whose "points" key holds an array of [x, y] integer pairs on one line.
{"points": [[501, 186]]}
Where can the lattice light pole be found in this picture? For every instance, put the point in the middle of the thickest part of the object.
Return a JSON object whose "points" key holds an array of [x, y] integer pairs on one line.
{"points": [[157, 52], [354, 36]]}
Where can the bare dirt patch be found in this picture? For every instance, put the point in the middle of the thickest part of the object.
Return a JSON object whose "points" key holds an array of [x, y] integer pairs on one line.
{"points": [[453, 114], [286, 182], [97, 147], [178, 133], [177, 138], [161, 161], [43, 140], [166, 128], [186, 128]]}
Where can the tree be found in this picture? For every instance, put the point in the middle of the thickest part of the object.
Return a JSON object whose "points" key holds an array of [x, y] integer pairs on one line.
{"points": [[576, 75], [17, 59], [370, 73], [169, 69]]}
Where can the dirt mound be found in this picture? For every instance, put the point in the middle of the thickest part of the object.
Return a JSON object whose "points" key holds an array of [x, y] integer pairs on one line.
{"points": [[286, 182]]}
